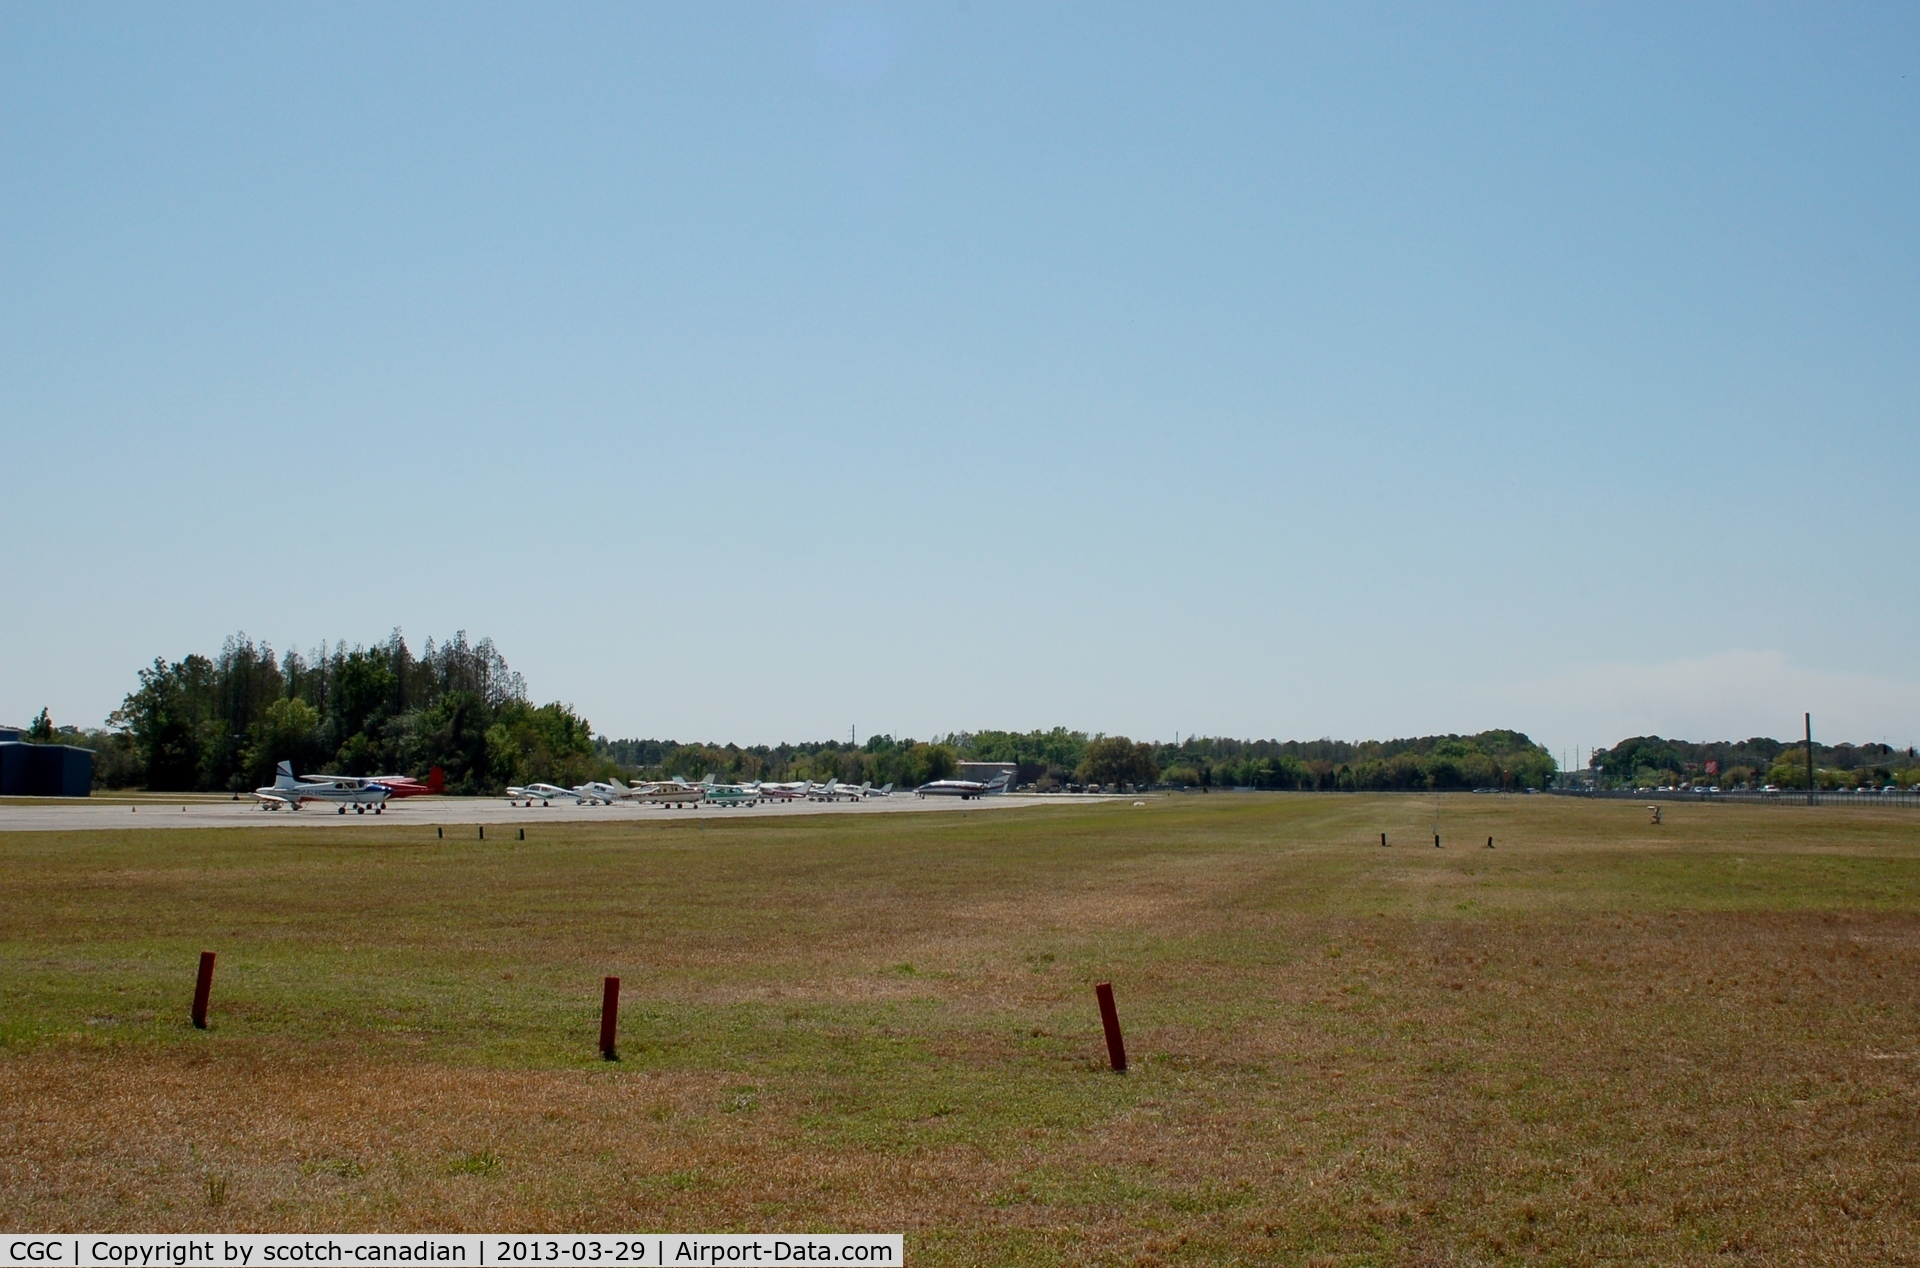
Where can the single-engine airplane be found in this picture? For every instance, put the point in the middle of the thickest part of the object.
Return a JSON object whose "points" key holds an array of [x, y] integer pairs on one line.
{"points": [[398, 786], [288, 792], [607, 793], [545, 794], [832, 790]]}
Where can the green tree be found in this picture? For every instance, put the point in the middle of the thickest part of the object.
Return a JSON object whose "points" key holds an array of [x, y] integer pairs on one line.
{"points": [[41, 730], [1115, 759], [164, 715], [1790, 771], [290, 732], [928, 762], [551, 744], [362, 688], [452, 734]]}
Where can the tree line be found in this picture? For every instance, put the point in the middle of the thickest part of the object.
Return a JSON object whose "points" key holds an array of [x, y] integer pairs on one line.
{"points": [[1061, 758], [221, 723], [1648, 761]]}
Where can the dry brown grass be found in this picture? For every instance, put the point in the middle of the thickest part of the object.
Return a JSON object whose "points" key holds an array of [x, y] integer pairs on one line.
{"points": [[1597, 1043]]}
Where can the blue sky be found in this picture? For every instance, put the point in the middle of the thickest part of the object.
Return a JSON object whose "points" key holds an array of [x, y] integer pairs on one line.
{"points": [[750, 372]]}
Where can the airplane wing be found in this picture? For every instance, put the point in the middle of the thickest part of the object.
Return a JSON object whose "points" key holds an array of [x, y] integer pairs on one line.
{"points": [[271, 801]]}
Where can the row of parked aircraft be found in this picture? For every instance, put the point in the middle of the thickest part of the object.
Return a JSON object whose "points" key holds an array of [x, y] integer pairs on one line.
{"points": [[372, 792], [677, 793]]}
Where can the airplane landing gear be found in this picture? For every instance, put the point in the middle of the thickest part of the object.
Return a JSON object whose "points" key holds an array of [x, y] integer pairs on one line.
{"points": [[343, 810]]}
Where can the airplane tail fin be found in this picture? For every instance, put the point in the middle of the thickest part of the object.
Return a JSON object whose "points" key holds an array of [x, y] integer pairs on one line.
{"points": [[886, 790], [437, 780], [283, 775], [998, 784], [832, 784], [708, 781]]}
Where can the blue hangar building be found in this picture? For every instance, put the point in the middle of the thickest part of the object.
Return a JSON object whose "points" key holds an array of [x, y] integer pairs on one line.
{"points": [[43, 770]]}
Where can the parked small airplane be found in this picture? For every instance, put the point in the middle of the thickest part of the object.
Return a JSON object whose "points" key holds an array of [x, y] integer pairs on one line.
{"points": [[673, 792], [545, 794], [399, 785], [963, 788], [607, 793], [288, 791], [832, 791], [719, 794], [407, 786]]}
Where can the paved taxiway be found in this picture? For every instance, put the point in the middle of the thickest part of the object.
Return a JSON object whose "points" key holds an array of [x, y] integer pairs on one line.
{"points": [[200, 812]]}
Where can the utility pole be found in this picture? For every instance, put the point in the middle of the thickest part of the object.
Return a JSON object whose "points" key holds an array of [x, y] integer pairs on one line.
{"points": [[1809, 759]]}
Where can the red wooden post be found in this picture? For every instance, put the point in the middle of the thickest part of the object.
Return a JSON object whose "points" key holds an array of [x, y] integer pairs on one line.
{"points": [[1110, 1018], [609, 1018], [202, 989]]}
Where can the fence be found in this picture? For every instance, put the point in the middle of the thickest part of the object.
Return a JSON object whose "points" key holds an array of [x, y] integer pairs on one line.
{"points": [[1785, 797]]}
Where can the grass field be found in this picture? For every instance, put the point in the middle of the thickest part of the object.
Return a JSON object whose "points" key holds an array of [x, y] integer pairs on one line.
{"points": [[1601, 1041]]}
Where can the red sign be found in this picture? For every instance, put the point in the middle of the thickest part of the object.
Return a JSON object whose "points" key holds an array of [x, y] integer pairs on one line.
{"points": [[1713, 768]]}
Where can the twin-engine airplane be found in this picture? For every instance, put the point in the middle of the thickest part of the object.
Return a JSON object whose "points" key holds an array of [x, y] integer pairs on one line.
{"points": [[672, 792], [288, 792], [964, 788]]}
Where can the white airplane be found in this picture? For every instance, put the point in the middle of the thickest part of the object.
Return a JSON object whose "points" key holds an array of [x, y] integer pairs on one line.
{"points": [[606, 793], [397, 786], [545, 794], [794, 791], [964, 788], [832, 791], [672, 792], [288, 791]]}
